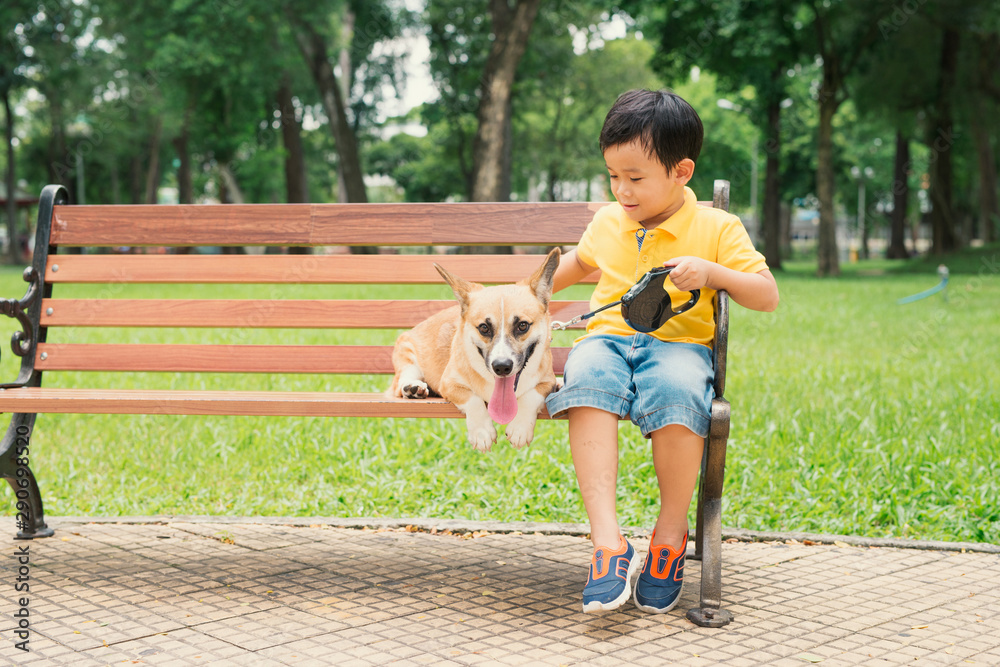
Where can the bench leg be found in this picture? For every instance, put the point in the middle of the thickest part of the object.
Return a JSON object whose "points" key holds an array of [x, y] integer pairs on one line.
{"points": [[14, 455], [708, 539]]}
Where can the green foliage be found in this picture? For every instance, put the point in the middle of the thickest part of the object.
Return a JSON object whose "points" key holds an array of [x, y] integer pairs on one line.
{"points": [[120, 82], [562, 112], [423, 166]]}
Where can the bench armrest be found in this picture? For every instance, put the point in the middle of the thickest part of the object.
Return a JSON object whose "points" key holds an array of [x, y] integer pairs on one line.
{"points": [[721, 343]]}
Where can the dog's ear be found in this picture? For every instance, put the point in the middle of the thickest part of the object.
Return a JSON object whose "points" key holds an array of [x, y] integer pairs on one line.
{"points": [[459, 286], [540, 281]]}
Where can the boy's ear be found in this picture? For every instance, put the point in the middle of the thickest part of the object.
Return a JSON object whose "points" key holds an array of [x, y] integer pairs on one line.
{"points": [[540, 281], [683, 171], [461, 287]]}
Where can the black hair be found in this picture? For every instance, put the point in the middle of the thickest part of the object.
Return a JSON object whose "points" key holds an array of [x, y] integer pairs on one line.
{"points": [[667, 127]]}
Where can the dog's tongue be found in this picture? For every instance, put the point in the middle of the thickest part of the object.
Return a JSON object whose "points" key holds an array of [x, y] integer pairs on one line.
{"points": [[503, 402]]}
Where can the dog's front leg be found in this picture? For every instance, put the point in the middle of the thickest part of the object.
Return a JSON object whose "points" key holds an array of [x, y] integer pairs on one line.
{"points": [[521, 429], [482, 432]]}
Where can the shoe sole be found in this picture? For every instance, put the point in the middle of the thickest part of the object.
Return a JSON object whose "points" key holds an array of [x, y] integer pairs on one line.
{"points": [[656, 610], [597, 605]]}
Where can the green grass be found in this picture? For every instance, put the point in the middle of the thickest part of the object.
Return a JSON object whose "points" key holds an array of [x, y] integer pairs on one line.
{"points": [[850, 415]]}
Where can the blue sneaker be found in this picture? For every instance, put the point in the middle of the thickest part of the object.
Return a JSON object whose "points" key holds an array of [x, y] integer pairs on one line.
{"points": [[609, 583], [658, 588]]}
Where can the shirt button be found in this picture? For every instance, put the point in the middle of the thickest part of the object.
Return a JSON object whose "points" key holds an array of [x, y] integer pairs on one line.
{"points": [[645, 258]]}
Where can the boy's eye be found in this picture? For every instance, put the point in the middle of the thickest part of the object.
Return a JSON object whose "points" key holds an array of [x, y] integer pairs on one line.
{"points": [[635, 180]]}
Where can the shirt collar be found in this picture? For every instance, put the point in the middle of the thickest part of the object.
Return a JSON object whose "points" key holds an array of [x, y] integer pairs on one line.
{"points": [[675, 225]]}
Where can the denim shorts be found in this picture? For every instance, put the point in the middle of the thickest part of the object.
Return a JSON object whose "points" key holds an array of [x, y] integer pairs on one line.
{"points": [[652, 382]]}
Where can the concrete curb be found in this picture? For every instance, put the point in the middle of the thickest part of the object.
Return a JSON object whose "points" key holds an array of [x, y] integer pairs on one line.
{"points": [[459, 525]]}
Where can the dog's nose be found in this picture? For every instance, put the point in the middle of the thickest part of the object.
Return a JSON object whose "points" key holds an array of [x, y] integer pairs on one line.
{"points": [[503, 367]]}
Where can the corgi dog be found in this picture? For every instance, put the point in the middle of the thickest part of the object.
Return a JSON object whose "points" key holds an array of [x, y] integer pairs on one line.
{"points": [[489, 355]]}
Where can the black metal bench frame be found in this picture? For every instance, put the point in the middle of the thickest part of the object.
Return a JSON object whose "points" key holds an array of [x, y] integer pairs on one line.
{"points": [[14, 448]]}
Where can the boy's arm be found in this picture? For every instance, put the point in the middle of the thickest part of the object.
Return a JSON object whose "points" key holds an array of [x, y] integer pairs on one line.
{"points": [[756, 291], [571, 270]]}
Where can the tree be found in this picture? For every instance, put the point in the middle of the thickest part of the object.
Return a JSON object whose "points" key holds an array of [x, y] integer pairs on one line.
{"points": [[313, 46], [12, 58], [511, 26], [912, 76], [745, 43], [844, 31]]}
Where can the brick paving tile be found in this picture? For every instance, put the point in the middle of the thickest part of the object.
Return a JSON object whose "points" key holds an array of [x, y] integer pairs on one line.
{"points": [[197, 592]]}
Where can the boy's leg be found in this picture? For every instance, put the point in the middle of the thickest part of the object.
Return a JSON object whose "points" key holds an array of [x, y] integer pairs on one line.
{"points": [[593, 438], [593, 441], [673, 404], [676, 457], [597, 393], [677, 453]]}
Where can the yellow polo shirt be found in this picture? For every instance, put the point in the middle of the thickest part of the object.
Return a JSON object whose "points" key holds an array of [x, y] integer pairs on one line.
{"points": [[610, 244]]}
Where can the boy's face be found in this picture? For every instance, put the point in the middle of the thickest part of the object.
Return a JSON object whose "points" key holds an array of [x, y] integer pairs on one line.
{"points": [[642, 185]]}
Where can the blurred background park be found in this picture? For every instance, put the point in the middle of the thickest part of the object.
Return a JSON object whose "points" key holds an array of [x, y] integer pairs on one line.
{"points": [[848, 128], [859, 136]]}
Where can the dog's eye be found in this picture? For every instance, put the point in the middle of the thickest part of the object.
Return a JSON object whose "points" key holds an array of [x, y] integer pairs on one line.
{"points": [[485, 329], [523, 326]]}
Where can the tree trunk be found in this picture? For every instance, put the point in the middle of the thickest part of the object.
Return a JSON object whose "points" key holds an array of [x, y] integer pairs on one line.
{"points": [[185, 188], [153, 175], [989, 208], [59, 167], [941, 140], [785, 215], [863, 221], [511, 28], [135, 185], [116, 185], [296, 185], [829, 263], [231, 192], [900, 199], [772, 187], [344, 62], [313, 49], [59, 157], [13, 245]]}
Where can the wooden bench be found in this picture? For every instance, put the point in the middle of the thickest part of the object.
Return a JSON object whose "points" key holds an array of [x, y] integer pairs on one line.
{"points": [[61, 226]]}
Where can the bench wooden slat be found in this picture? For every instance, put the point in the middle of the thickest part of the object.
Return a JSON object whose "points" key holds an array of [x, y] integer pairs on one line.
{"points": [[290, 269], [266, 403], [157, 358], [249, 313], [496, 223], [322, 224]]}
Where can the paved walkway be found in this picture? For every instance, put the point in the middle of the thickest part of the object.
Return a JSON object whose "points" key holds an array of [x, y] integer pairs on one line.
{"points": [[237, 592]]}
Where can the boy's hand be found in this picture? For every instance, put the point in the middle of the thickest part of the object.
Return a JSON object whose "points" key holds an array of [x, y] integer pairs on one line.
{"points": [[690, 273]]}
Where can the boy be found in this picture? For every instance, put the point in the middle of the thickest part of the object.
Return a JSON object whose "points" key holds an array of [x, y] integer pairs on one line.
{"points": [[662, 380]]}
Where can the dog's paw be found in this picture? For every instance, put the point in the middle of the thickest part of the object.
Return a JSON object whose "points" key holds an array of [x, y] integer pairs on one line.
{"points": [[416, 390], [483, 437], [520, 432], [559, 385]]}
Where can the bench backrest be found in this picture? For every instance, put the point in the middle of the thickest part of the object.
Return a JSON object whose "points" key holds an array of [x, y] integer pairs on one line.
{"points": [[63, 226]]}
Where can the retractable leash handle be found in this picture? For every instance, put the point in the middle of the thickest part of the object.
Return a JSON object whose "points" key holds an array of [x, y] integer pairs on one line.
{"points": [[646, 306]]}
